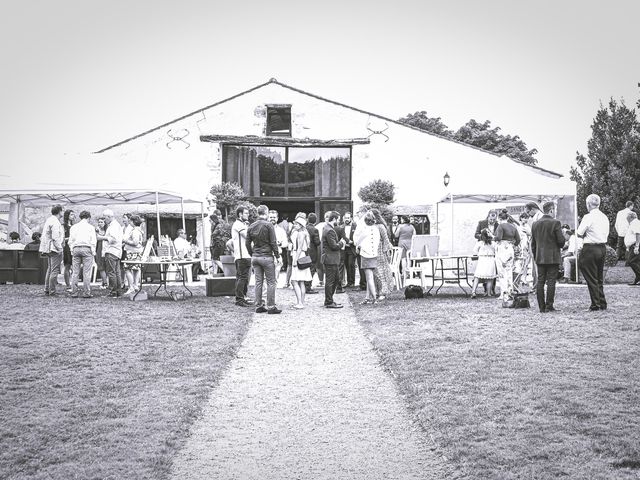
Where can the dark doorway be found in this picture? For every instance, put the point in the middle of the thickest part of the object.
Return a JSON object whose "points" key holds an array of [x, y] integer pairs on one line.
{"points": [[289, 209], [169, 226]]}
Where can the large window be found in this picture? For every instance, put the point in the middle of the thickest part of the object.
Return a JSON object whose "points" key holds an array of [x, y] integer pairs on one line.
{"points": [[289, 171]]}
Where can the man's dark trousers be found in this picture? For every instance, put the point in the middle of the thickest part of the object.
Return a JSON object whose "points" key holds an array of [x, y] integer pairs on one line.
{"points": [[633, 261], [113, 273], [243, 270], [350, 267], [330, 282], [591, 264], [547, 273], [622, 249], [307, 285]]}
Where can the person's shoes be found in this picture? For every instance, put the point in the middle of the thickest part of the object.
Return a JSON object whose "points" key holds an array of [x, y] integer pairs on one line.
{"points": [[103, 287], [249, 300], [274, 311], [333, 305], [552, 309], [473, 295], [636, 283], [594, 308], [74, 295], [114, 295], [603, 307], [242, 303], [298, 306], [381, 297], [366, 301], [340, 290], [349, 285], [261, 309], [69, 289], [311, 292], [363, 288], [87, 295], [542, 310]]}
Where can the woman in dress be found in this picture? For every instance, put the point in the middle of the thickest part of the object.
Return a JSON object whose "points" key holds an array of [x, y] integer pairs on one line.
{"points": [[367, 241], [486, 268], [133, 248], [67, 259], [101, 231], [506, 237], [219, 237], [300, 246], [382, 274], [404, 235]]}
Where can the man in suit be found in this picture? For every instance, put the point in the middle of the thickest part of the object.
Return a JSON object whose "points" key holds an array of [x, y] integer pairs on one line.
{"points": [[491, 223], [314, 245], [340, 232], [331, 247], [349, 253], [393, 230], [546, 241]]}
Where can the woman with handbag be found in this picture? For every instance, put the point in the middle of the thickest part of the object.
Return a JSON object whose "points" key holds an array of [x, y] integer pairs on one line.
{"points": [[300, 271]]}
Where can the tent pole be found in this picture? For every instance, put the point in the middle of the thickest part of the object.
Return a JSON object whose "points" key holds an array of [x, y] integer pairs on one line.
{"points": [[575, 227], [158, 216], [182, 212], [204, 252], [437, 219], [452, 225]]}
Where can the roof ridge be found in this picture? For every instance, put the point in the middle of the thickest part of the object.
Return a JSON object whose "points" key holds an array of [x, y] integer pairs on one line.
{"points": [[273, 80]]}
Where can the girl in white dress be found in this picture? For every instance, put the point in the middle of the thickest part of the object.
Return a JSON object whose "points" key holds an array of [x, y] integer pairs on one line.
{"points": [[486, 271], [300, 242]]}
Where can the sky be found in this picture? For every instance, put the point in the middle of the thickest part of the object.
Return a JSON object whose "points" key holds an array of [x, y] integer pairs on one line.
{"points": [[80, 75]]}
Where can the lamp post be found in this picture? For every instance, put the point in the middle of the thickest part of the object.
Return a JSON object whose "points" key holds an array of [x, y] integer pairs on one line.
{"points": [[446, 179]]}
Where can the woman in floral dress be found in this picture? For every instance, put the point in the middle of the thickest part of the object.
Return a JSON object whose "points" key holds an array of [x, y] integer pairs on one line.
{"points": [[382, 274]]}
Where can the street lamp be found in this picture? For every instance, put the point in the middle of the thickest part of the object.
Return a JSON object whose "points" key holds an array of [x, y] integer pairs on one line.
{"points": [[446, 179]]}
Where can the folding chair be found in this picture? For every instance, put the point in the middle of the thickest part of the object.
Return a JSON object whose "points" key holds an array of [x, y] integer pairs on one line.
{"points": [[394, 264]]}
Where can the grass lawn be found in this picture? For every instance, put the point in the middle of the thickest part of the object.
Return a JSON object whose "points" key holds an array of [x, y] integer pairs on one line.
{"points": [[103, 388], [515, 394]]}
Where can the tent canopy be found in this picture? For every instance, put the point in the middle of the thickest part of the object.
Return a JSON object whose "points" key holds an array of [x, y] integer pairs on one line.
{"points": [[46, 195], [505, 182]]}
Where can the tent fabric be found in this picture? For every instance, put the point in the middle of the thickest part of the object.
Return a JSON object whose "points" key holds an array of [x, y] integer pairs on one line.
{"points": [[505, 181]]}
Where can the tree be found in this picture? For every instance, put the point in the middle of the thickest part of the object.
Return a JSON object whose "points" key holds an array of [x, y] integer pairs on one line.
{"points": [[228, 195], [479, 135], [378, 194], [611, 167], [422, 121]]}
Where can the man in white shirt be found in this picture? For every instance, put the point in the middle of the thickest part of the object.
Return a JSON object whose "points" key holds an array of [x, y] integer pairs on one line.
{"points": [[533, 211], [184, 249], [82, 243], [632, 244], [241, 255], [51, 247], [282, 239], [594, 231], [113, 253], [621, 226]]}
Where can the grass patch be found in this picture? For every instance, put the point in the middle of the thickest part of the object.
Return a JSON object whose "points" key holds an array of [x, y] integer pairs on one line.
{"points": [[103, 388], [515, 394]]}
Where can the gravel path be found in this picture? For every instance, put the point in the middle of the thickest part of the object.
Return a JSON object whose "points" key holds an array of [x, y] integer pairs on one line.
{"points": [[306, 399]]}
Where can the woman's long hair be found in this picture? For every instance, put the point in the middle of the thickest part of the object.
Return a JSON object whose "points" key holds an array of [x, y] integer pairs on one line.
{"points": [[378, 217], [67, 214]]}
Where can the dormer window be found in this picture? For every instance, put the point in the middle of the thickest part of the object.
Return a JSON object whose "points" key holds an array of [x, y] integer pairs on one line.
{"points": [[279, 120]]}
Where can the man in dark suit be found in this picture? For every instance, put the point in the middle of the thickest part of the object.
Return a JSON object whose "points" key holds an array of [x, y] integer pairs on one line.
{"points": [[491, 223], [314, 244], [349, 253], [546, 241], [331, 247]]}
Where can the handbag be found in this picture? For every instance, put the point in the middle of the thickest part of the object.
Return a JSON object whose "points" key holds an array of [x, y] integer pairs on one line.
{"points": [[304, 262]]}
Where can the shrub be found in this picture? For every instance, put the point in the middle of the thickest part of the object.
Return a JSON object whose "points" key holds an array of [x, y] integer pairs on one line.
{"points": [[611, 257]]}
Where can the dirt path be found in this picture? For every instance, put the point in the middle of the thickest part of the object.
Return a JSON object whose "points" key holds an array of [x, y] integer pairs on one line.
{"points": [[306, 399]]}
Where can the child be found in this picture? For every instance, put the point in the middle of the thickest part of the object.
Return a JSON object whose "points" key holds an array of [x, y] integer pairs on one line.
{"points": [[486, 267]]}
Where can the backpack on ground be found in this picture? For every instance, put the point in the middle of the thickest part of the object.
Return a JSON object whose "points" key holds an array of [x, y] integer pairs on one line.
{"points": [[413, 291]]}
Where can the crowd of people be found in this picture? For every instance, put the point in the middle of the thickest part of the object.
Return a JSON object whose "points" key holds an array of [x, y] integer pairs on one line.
{"points": [[74, 247], [302, 249], [533, 249], [536, 249]]}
